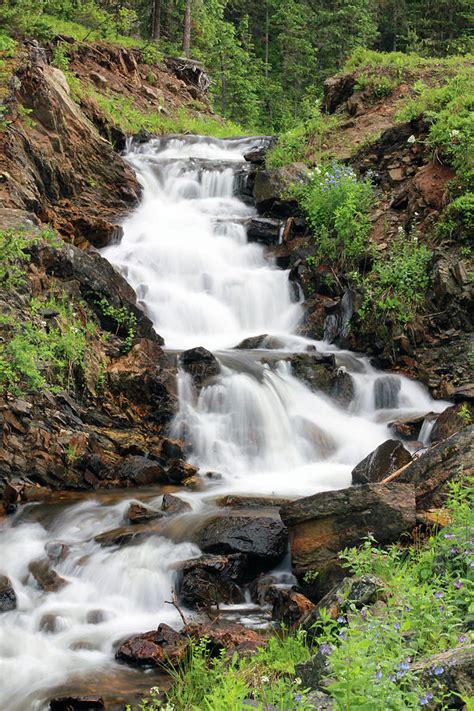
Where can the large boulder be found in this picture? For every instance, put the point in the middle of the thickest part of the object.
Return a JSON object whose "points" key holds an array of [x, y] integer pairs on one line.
{"points": [[261, 538], [265, 230], [450, 421], [446, 461], [384, 460], [322, 525], [7, 594], [271, 186], [211, 579], [138, 513], [200, 363], [138, 471], [225, 637]]}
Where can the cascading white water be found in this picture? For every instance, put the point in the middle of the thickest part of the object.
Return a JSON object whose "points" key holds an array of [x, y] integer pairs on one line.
{"points": [[185, 252]]}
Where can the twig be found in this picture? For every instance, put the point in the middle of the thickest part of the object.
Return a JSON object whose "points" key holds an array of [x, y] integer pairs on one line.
{"points": [[174, 602], [395, 474]]}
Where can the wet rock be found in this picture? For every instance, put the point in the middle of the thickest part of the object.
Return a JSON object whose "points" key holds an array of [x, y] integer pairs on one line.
{"points": [[384, 460], [263, 341], [451, 421], [122, 535], [211, 579], [337, 324], [321, 374], [264, 230], [179, 471], [464, 393], [264, 589], [409, 429], [320, 526], [454, 673], [386, 391], [313, 672], [47, 578], [144, 377], [289, 607], [227, 637], [337, 90], [174, 505], [77, 703], [154, 648], [200, 363], [236, 501], [137, 513], [446, 461], [56, 550], [98, 282], [138, 471], [7, 594], [271, 185], [171, 449], [263, 539]]}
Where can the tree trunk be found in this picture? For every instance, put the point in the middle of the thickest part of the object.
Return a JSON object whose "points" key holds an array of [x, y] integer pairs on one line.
{"points": [[266, 40], [187, 29], [156, 20]]}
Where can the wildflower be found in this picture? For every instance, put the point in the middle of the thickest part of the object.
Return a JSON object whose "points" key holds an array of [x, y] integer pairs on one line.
{"points": [[393, 677], [298, 681], [454, 133], [471, 564], [454, 550], [341, 620], [437, 671], [379, 675], [462, 638], [396, 626], [264, 679], [438, 594], [424, 700], [411, 139], [298, 697], [441, 608], [342, 635], [429, 695], [404, 666], [325, 648], [154, 690], [363, 613], [449, 535], [458, 584]]}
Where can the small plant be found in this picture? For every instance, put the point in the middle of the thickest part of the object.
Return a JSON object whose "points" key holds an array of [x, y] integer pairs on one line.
{"points": [[60, 58], [150, 54], [125, 321], [465, 414], [337, 206]]}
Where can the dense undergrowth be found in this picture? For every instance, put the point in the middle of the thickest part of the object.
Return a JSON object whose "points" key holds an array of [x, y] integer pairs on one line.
{"points": [[375, 657]]}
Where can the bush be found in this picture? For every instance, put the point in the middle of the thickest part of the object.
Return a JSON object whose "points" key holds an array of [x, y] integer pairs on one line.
{"points": [[458, 218], [336, 205], [397, 284]]}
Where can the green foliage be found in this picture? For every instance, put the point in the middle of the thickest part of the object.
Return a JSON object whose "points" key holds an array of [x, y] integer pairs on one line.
{"points": [[60, 58], [379, 86], [336, 205], [428, 592], [45, 353], [125, 321], [457, 219], [150, 54], [449, 111], [14, 256], [397, 284], [222, 684], [7, 45], [306, 138], [465, 414]]}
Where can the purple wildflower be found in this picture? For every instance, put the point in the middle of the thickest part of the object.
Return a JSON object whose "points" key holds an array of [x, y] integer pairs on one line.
{"points": [[462, 638], [458, 584], [437, 671], [379, 675], [325, 648], [429, 695], [341, 620], [449, 535], [424, 700], [405, 666], [298, 697], [438, 595], [454, 550], [441, 608], [396, 626]]}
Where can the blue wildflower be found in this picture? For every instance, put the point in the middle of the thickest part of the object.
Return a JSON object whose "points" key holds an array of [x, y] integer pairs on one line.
{"points": [[437, 671], [325, 648], [405, 666], [397, 626], [438, 594], [341, 620], [379, 675]]}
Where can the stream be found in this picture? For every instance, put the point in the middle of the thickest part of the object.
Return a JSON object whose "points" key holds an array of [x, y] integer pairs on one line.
{"points": [[186, 254]]}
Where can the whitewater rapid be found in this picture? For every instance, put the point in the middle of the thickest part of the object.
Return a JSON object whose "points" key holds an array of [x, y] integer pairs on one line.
{"points": [[185, 252]]}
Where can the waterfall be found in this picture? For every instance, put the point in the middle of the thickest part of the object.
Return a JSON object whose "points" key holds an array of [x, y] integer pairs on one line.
{"points": [[185, 252]]}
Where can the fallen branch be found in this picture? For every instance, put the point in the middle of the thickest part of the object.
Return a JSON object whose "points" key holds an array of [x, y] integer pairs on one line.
{"points": [[174, 602], [396, 473]]}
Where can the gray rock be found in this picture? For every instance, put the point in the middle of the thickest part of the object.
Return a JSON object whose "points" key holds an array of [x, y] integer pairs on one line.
{"points": [[200, 363], [174, 505], [7, 594], [384, 460], [313, 671]]}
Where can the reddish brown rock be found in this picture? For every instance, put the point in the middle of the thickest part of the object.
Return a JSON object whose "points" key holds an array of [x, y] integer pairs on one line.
{"points": [[322, 525], [290, 607], [137, 513], [179, 471], [155, 648], [47, 578], [225, 637], [174, 505]]}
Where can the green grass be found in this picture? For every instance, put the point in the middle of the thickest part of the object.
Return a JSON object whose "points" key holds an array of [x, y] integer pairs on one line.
{"points": [[121, 112], [401, 63]]}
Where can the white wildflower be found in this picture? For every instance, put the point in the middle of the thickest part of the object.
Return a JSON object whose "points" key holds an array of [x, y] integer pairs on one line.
{"points": [[411, 139], [264, 679], [454, 133], [298, 681]]}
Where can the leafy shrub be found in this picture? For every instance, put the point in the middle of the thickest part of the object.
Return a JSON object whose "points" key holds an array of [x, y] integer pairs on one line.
{"points": [[7, 46], [337, 206], [150, 54], [60, 57], [398, 281], [14, 256], [457, 219]]}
